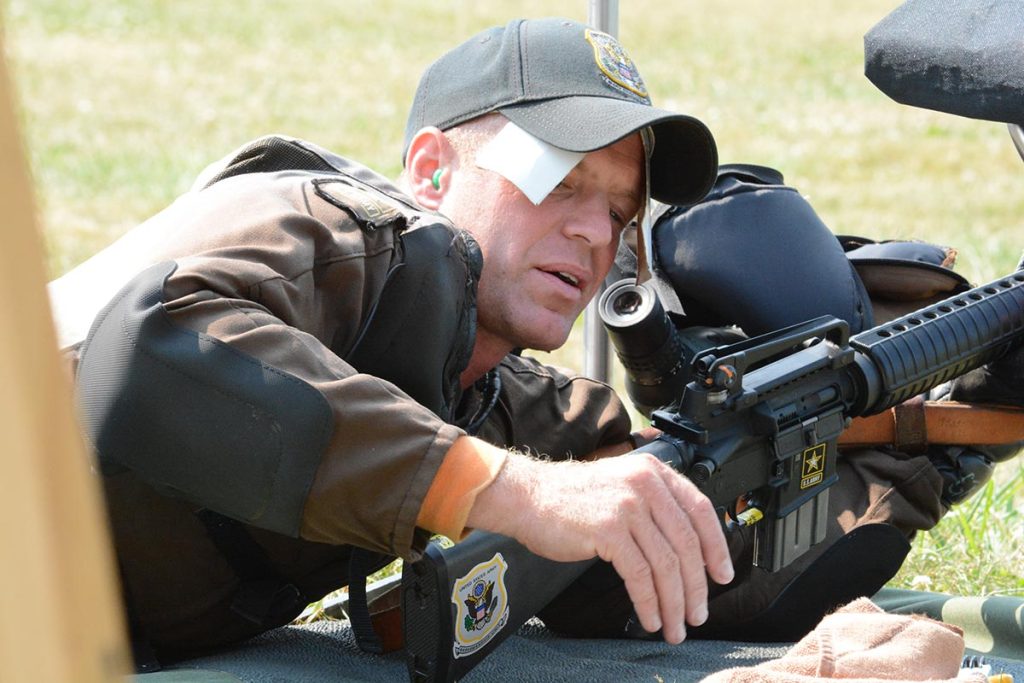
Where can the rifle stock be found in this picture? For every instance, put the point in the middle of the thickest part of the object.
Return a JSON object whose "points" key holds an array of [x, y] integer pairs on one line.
{"points": [[758, 425], [444, 636]]}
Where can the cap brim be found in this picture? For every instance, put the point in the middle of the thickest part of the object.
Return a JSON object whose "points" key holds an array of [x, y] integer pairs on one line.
{"points": [[684, 164]]}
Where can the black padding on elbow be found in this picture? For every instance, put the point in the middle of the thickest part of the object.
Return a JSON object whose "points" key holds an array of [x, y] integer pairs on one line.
{"points": [[196, 418]]}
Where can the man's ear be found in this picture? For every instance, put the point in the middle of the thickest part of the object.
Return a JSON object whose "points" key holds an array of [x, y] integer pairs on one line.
{"points": [[427, 167]]}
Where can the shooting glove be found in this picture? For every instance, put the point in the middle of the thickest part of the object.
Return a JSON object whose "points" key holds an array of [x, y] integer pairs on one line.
{"points": [[965, 469], [1000, 382]]}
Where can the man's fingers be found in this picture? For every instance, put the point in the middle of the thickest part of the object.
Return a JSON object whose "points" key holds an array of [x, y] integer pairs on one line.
{"points": [[655, 527], [679, 532], [672, 566], [705, 524], [638, 577]]}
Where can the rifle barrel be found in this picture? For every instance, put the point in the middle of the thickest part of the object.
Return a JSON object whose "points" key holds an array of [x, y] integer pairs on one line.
{"points": [[920, 350]]}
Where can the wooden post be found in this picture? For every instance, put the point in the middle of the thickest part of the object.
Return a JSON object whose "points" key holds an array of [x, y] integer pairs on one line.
{"points": [[60, 618]]}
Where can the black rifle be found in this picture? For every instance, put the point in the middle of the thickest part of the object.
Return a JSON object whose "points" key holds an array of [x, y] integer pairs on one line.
{"points": [[755, 429]]}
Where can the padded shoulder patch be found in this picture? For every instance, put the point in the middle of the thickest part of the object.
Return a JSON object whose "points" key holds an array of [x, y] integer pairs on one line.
{"points": [[196, 418]]}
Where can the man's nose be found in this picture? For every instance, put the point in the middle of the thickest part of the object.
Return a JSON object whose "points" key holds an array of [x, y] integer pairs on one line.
{"points": [[591, 220]]}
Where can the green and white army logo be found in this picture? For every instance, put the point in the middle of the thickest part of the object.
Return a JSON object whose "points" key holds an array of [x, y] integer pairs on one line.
{"points": [[615, 64], [481, 602]]}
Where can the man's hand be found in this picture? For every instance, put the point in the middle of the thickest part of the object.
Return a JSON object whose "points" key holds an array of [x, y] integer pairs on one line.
{"points": [[965, 469], [651, 523], [1000, 382]]}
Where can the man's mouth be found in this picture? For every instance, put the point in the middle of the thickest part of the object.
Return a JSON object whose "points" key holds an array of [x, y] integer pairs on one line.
{"points": [[568, 278]]}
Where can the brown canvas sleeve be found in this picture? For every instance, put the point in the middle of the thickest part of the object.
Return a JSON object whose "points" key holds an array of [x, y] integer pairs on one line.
{"points": [[290, 284]]}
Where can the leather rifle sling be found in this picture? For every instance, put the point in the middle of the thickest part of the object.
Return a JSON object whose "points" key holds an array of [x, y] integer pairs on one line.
{"points": [[916, 423]]}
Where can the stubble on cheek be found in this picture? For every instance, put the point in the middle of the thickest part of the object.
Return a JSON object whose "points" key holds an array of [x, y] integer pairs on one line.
{"points": [[523, 318]]}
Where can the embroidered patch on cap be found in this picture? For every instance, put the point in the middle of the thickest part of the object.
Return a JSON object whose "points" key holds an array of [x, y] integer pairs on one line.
{"points": [[614, 63], [482, 606]]}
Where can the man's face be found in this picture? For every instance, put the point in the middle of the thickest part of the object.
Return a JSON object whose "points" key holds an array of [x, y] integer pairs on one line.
{"points": [[543, 263]]}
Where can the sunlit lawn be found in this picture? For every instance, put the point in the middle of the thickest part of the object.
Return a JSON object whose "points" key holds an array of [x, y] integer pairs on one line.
{"points": [[125, 101]]}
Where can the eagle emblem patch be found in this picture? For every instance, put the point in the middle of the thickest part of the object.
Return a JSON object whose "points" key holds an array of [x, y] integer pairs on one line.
{"points": [[481, 602], [615, 64]]}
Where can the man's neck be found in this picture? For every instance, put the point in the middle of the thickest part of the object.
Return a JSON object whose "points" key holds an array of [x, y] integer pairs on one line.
{"points": [[487, 353]]}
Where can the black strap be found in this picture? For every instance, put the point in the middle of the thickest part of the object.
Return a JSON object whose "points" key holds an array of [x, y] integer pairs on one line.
{"points": [[361, 564], [142, 652], [263, 596], [490, 389]]}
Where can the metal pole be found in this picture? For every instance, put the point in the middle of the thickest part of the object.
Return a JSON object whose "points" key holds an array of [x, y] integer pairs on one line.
{"points": [[604, 16], [1017, 134]]}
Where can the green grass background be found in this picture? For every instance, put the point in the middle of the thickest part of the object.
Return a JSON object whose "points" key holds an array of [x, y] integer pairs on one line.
{"points": [[124, 102]]}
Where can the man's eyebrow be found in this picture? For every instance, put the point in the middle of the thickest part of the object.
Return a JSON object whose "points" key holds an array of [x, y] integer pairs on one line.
{"points": [[631, 193], [634, 195]]}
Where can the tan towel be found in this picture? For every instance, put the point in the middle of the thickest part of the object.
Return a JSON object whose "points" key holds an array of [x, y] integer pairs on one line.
{"points": [[862, 644]]}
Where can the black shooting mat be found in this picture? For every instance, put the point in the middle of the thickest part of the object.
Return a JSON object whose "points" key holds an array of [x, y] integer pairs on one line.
{"points": [[326, 651]]}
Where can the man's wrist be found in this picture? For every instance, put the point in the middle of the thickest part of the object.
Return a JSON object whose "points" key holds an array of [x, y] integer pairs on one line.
{"points": [[469, 467], [501, 506]]}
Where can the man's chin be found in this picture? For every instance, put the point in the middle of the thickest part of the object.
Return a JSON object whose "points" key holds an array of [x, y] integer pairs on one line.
{"points": [[546, 340], [537, 328]]}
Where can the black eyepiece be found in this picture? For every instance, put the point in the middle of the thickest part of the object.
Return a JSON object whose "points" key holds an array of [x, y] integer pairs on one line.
{"points": [[646, 343]]}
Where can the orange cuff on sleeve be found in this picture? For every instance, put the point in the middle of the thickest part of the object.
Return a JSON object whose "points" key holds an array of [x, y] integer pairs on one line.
{"points": [[469, 466]]}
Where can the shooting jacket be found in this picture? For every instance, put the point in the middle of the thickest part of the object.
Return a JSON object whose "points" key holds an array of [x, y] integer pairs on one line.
{"points": [[284, 280], [293, 336]]}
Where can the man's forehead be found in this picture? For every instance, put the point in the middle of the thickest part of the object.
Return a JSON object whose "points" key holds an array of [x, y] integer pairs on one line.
{"points": [[626, 158]]}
